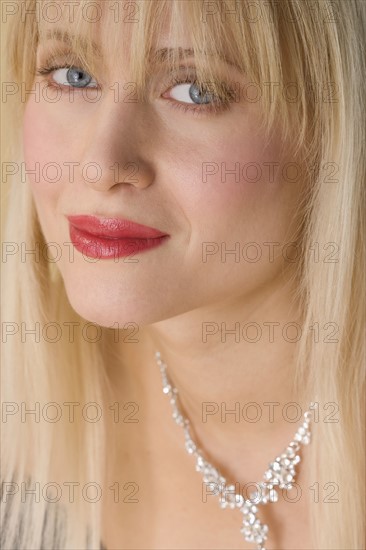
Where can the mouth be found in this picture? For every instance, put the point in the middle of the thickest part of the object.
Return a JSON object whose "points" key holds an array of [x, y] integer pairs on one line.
{"points": [[105, 238]]}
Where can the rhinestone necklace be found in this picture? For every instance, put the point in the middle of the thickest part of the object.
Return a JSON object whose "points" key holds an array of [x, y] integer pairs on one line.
{"points": [[280, 474]]}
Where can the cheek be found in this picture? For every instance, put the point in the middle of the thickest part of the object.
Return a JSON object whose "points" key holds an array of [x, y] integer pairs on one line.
{"points": [[43, 155], [233, 183]]}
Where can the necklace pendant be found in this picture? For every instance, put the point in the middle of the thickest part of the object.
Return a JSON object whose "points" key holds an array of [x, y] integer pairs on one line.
{"points": [[253, 530]]}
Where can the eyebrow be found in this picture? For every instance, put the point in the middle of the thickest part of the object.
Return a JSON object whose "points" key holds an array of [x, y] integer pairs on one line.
{"points": [[160, 55], [166, 53], [163, 54], [67, 38]]}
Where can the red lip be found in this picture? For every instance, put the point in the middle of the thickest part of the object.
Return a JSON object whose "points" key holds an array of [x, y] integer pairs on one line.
{"points": [[112, 237]]}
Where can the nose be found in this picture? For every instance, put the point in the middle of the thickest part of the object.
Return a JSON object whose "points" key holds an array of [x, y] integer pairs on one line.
{"points": [[115, 148]]}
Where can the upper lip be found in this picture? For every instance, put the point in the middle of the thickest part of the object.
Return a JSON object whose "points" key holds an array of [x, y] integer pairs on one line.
{"points": [[113, 228]]}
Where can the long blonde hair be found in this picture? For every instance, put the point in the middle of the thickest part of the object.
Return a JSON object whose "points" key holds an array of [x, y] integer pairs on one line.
{"points": [[322, 51]]}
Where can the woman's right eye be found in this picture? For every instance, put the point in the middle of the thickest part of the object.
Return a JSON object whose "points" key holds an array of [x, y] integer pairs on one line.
{"points": [[72, 77]]}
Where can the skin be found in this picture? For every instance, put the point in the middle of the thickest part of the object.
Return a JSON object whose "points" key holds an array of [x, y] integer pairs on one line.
{"points": [[170, 291]]}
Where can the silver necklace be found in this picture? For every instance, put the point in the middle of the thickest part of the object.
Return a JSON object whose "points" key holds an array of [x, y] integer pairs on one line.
{"points": [[280, 474]]}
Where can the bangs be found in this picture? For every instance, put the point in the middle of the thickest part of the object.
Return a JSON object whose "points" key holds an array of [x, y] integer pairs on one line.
{"points": [[268, 49]]}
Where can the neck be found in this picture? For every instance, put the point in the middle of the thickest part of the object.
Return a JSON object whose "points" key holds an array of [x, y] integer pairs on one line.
{"points": [[233, 366]]}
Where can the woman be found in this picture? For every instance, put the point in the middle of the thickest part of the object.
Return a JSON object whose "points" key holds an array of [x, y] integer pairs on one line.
{"points": [[184, 211]]}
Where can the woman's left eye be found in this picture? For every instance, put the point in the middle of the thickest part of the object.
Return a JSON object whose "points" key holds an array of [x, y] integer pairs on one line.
{"points": [[191, 93]]}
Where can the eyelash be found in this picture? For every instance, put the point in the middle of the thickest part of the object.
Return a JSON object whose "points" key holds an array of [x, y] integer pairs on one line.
{"points": [[217, 106]]}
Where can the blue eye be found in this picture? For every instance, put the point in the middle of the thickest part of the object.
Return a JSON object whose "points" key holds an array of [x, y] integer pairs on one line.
{"points": [[74, 77], [191, 93]]}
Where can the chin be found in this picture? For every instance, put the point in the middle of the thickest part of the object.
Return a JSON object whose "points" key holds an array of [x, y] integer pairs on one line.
{"points": [[116, 311]]}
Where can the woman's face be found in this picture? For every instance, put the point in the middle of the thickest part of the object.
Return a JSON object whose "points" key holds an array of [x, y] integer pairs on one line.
{"points": [[207, 179]]}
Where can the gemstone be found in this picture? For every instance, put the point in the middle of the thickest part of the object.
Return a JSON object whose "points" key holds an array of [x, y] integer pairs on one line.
{"points": [[273, 496], [245, 509], [290, 452], [190, 446]]}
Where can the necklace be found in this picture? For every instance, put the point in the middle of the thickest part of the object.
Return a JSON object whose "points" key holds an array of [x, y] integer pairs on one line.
{"points": [[280, 474]]}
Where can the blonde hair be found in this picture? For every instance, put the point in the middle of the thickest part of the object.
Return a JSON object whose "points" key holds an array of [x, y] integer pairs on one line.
{"points": [[297, 41]]}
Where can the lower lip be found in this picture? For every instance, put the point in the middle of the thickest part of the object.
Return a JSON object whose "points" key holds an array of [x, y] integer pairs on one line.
{"points": [[102, 248]]}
